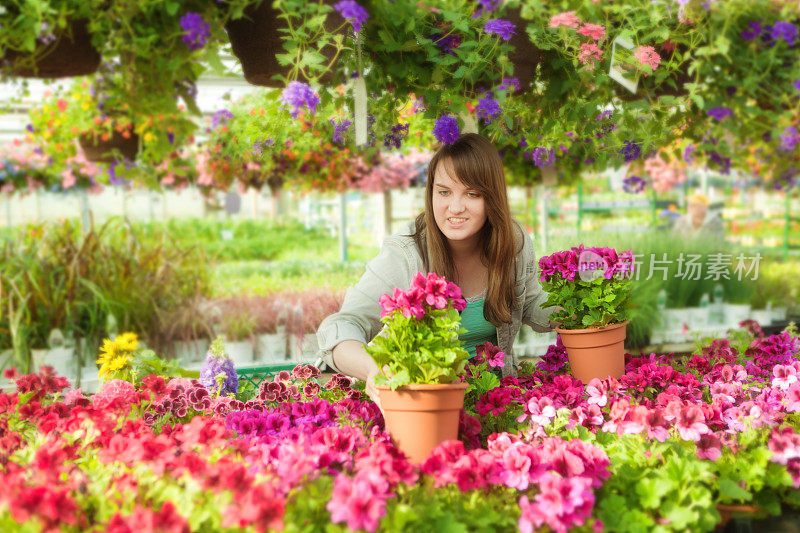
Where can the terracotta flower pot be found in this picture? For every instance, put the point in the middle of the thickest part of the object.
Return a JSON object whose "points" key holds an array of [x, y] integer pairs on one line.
{"points": [[72, 54], [595, 352], [420, 417], [726, 512], [99, 151]]}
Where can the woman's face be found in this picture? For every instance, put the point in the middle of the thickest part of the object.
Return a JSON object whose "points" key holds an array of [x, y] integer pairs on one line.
{"points": [[459, 212]]}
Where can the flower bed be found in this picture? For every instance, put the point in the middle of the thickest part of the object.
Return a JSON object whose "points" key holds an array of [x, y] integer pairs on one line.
{"points": [[660, 447]]}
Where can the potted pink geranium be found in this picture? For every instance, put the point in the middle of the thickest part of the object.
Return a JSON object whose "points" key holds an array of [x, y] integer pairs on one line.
{"points": [[591, 287], [422, 361]]}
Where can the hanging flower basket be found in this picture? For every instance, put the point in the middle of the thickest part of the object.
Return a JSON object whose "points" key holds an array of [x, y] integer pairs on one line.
{"points": [[526, 56], [115, 148], [255, 41], [72, 54]]}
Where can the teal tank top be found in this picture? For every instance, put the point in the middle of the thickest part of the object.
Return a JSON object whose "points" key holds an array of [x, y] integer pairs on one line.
{"points": [[479, 330]]}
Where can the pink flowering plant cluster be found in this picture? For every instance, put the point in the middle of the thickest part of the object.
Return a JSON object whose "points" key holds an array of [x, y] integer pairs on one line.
{"points": [[419, 342], [591, 285], [657, 449]]}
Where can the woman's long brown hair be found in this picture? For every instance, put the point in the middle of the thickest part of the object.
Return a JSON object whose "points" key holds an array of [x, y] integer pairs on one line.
{"points": [[477, 165]]}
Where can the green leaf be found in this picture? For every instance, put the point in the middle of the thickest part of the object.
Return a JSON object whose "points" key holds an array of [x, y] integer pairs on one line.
{"points": [[729, 489]]}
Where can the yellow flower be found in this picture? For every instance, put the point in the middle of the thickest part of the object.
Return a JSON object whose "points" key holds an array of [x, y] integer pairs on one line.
{"points": [[85, 106], [127, 341], [148, 136], [112, 365]]}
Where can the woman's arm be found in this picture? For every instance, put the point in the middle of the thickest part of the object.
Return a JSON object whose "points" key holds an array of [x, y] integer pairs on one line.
{"points": [[352, 359], [534, 313]]}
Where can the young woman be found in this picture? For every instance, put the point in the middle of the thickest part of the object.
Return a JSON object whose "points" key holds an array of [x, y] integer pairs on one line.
{"points": [[465, 234]]}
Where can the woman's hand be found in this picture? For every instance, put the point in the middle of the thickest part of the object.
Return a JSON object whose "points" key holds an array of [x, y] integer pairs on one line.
{"points": [[370, 388]]}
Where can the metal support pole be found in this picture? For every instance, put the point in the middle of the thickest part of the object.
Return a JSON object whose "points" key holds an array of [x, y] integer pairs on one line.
{"points": [[343, 227]]}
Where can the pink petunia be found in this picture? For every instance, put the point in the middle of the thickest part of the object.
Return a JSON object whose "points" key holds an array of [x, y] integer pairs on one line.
{"points": [[593, 31], [567, 18]]}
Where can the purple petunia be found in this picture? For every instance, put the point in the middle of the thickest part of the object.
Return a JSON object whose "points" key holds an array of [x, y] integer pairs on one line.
{"points": [[789, 139], [719, 113], [502, 28], [688, 153], [633, 184], [488, 108], [220, 117], [197, 31], [395, 138], [445, 129], [509, 83], [542, 157], [753, 31], [299, 95], [351, 11], [487, 6], [784, 30], [724, 163], [340, 127], [631, 151]]}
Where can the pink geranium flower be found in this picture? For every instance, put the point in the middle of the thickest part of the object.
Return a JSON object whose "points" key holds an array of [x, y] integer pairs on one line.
{"points": [[597, 390], [709, 447], [359, 501], [647, 56], [593, 31], [691, 423], [567, 18], [785, 375]]}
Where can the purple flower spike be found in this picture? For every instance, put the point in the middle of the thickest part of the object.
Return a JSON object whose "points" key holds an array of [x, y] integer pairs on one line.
{"points": [[299, 95], [351, 11], [339, 129], [719, 113], [503, 28], [197, 31], [445, 129]]}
